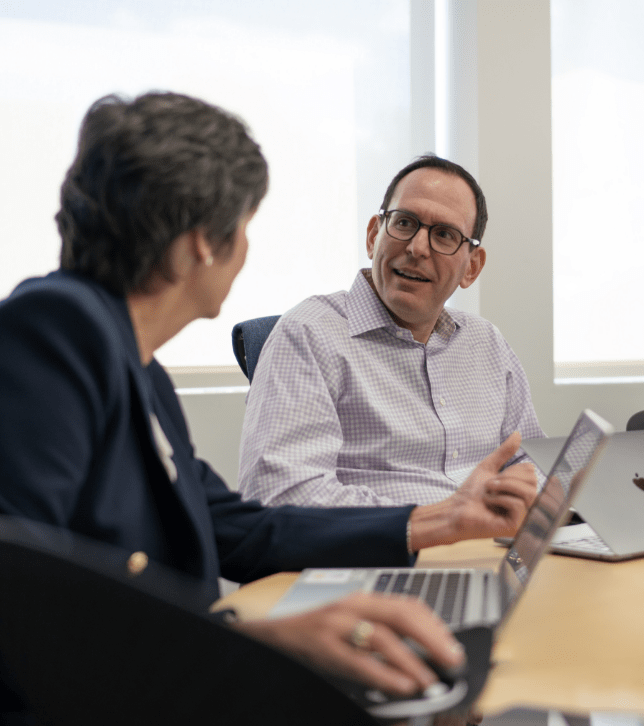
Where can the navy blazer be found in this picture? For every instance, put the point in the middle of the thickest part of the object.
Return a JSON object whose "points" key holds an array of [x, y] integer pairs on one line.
{"points": [[80, 448]]}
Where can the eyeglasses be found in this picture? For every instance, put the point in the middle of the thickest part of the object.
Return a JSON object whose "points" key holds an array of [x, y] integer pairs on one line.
{"points": [[442, 239]]}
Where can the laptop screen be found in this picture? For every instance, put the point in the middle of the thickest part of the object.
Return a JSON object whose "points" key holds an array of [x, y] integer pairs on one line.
{"points": [[551, 505]]}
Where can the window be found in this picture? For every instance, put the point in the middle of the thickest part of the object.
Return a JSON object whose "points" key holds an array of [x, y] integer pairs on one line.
{"points": [[598, 187], [324, 86]]}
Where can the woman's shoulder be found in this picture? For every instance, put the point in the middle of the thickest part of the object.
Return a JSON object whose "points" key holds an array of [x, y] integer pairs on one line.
{"points": [[58, 286], [67, 317], [65, 300]]}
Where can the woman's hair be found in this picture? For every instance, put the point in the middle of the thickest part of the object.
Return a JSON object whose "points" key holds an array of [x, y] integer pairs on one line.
{"points": [[145, 172]]}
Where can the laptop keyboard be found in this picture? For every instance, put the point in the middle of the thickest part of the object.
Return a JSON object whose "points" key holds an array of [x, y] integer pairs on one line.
{"points": [[444, 592], [589, 543]]}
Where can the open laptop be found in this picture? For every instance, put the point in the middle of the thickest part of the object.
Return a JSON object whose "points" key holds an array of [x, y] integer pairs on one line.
{"points": [[473, 602], [611, 502], [468, 597]]}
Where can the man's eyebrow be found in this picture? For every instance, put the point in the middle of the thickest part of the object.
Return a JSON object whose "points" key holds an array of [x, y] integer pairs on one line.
{"points": [[446, 224]]}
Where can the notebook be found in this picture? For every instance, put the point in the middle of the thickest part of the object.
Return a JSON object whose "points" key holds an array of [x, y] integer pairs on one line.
{"points": [[611, 502]]}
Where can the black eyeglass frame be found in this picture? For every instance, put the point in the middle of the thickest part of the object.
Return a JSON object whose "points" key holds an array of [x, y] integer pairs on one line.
{"points": [[429, 227]]}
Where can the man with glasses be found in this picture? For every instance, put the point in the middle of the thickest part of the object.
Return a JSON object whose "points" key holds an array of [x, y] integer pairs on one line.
{"points": [[381, 395]]}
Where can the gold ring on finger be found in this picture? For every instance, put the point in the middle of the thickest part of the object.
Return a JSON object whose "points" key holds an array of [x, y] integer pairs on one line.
{"points": [[361, 634]]}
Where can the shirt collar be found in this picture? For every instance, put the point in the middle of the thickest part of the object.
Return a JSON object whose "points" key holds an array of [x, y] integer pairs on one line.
{"points": [[366, 312]]}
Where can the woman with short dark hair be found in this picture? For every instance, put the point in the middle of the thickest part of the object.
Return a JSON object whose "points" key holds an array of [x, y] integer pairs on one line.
{"points": [[153, 218]]}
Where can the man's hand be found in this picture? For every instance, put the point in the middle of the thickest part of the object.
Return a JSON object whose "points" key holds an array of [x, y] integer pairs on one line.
{"points": [[490, 503], [323, 639]]}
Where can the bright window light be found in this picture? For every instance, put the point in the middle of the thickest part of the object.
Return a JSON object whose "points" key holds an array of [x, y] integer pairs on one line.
{"points": [[324, 86], [598, 153]]}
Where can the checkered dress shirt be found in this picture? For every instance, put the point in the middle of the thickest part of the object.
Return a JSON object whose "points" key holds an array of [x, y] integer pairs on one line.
{"points": [[347, 409]]}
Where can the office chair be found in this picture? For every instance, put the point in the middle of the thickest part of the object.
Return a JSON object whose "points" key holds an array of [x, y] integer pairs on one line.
{"points": [[84, 640], [636, 422], [248, 339]]}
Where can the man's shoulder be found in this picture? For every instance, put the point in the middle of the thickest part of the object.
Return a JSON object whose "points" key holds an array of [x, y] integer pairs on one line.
{"points": [[317, 308], [318, 325], [482, 338], [475, 325]]}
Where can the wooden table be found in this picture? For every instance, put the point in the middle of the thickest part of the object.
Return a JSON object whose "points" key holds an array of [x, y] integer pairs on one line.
{"points": [[574, 643]]}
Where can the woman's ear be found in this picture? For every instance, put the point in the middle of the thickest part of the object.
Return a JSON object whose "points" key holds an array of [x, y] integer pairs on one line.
{"points": [[188, 250], [202, 248]]}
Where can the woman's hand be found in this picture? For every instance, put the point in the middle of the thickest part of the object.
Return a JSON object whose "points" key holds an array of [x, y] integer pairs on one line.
{"points": [[326, 638]]}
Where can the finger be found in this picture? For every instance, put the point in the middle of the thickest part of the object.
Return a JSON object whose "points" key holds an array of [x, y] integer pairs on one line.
{"points": [[524, 469], [510, 510], [511, 486], [411, 618], [503, 453], [367, 668], [398, 655], [524, 491], [392, 665], [518, 473]]}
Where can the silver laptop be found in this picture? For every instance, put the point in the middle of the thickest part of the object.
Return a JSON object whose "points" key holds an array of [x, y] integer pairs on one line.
{"points": [[611, 502], [468, 597]]}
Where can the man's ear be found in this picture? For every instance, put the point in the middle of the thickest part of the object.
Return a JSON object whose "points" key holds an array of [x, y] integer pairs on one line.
{"points": [[372, 230], [476, 264]]}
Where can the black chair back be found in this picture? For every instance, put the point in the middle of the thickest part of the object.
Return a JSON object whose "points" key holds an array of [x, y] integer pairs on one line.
{"points": [[84, 642], [248, 339]]}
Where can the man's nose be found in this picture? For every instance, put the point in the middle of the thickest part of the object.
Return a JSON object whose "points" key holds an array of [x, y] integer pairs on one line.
{"points": [[419, 245]]}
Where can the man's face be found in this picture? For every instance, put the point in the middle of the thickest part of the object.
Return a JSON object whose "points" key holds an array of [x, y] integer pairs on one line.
{"points": [[410, 278]]}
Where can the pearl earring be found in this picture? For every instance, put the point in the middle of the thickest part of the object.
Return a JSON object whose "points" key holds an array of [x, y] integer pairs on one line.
{"points": [[209, 260]]}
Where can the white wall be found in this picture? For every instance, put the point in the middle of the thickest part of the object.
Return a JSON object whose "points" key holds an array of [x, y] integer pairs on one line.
{"points": [[215, 419]]}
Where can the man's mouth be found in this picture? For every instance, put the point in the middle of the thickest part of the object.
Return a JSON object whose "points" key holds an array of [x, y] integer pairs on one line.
{"points": [[411, 276]]}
